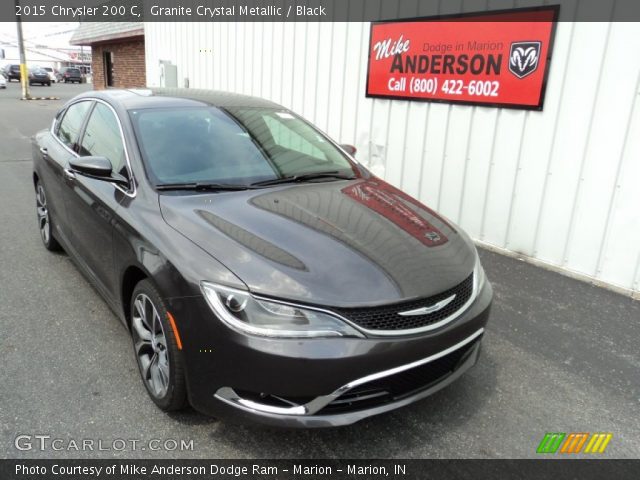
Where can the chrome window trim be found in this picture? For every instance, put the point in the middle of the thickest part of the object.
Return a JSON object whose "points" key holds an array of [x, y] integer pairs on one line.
{"points": [[132, 181], [55, 122], [229, 396]]}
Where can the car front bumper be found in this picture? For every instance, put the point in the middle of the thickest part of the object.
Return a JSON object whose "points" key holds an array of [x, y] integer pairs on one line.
{"points": [[237, 377]]}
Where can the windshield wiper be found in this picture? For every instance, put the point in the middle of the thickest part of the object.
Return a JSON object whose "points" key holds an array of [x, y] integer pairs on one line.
{"points": [[303, 178], [203, 187]]}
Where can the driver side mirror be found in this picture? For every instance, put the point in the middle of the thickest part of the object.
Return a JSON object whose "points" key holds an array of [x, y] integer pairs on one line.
{"points": [[97, 167], [350, 149]]}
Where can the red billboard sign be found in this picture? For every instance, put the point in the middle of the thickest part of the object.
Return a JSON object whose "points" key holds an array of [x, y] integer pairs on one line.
{"points": [[494, 59]]}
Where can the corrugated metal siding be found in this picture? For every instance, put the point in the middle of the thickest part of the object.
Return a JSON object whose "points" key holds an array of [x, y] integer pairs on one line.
{"points": [[559, 185]]}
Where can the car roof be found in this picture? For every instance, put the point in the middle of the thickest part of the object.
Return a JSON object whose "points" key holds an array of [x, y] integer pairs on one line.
{"points": [[134, 99]]}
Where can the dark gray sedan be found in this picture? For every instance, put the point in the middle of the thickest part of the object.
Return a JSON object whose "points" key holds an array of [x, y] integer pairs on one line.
{"points": [[264, 274]]}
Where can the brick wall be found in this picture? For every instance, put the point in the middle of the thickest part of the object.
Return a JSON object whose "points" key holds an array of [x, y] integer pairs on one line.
{"points": [[128, 63]]}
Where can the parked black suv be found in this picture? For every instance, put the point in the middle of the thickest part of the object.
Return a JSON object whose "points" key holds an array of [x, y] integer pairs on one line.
{"points": [[12, 72], [71, 75]]}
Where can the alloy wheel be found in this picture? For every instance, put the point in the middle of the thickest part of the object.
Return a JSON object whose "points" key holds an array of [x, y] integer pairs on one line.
{"points": [[43, 215], [150, 345]]}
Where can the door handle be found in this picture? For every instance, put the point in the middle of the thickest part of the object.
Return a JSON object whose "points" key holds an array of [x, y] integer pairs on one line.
{"points": [[69, 174], [44, 152]]}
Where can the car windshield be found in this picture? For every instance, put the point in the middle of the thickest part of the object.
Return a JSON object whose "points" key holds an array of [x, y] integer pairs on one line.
{"points": [[233, 146]]}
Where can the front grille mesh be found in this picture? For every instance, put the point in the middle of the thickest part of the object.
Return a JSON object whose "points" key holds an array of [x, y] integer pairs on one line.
{"points": [[386, 317]]}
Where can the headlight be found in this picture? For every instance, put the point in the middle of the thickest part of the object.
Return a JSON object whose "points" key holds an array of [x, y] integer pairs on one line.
{"points": [[241, 311], [478, 275]]}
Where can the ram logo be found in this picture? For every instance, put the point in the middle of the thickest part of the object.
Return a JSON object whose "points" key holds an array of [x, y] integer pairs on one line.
{"points": [[523, 58]]}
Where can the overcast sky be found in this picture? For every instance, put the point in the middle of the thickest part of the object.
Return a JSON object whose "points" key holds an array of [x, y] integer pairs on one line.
{"points": [[50, 34]]}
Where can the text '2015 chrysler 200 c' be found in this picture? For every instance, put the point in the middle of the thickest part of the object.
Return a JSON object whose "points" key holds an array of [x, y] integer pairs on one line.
{"points": [[263, 273]]}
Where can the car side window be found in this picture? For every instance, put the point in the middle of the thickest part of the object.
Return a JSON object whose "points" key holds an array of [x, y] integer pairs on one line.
{"points": [[72, 123], [102, 138]]}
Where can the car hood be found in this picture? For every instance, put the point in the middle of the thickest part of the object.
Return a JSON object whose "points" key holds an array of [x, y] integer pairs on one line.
{"points": [[338, 243]]}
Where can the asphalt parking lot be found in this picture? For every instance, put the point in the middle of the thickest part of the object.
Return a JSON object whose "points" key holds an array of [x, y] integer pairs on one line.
{"points": [[559, 356]]}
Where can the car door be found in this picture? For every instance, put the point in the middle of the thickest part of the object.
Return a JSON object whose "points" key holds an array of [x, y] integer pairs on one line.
{"points": [[55, 149], [91, 203]]}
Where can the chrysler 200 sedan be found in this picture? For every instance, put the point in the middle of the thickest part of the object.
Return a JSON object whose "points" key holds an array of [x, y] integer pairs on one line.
{"points": [[263, 273]]}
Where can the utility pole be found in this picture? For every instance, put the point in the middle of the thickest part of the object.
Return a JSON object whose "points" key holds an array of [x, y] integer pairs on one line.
{"points": [[24, 73]]}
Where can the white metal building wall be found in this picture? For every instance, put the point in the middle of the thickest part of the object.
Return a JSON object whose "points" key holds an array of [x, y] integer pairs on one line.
{"points": [[561, 186]]}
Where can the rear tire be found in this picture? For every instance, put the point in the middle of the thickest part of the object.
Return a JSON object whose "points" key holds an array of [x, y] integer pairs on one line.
{"points": [[156, 350], [44, 220]]}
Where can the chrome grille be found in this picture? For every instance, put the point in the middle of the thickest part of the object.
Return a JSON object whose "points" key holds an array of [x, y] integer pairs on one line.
{"points": [[386, 317]]}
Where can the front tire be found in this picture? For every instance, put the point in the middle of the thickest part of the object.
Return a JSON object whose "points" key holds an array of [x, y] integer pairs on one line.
{"points": [[159, 360], [44, 220]]}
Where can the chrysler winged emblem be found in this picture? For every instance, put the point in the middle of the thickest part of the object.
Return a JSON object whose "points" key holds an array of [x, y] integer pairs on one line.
{"points": [[523, 58], [430, 309]]}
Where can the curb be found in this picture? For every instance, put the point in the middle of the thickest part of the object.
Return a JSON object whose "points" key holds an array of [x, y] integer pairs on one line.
{"points": [[41, 98]]}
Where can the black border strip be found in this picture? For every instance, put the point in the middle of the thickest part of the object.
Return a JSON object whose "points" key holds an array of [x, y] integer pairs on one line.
{"points": [[583, 468], [543, 89]]}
